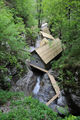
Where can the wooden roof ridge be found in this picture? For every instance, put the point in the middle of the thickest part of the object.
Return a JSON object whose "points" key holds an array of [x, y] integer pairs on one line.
{"points": [[46, 35]]}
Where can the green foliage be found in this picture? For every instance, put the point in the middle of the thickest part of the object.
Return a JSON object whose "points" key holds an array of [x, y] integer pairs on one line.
{"points": [[26, 108], [12, 42], [31, 35], [64, 110], [5, 96], [71, 118], [63, 18], [24, 9]]}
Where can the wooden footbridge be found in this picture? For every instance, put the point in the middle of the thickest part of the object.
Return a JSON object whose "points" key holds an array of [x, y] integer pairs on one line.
{"points": [[53, 81]]}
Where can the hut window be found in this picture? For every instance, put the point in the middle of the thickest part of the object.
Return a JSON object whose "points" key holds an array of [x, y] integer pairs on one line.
{"points": [[36, 61]]}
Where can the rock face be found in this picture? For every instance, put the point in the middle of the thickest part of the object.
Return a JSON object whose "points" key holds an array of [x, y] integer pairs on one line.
{"points": [[31, 81], [28, 83], [62, 100], [72, 94], [62, 107], [76, 99], [46, 92], [68, 98], [73, 98], [25, 84]]}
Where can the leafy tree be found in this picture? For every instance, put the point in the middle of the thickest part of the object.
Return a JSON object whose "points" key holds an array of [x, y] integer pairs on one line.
{"points": [[63, 18], [12, 42], [24, 9], [39, 12]]}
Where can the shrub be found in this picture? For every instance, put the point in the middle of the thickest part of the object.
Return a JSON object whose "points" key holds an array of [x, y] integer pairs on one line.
{"points": [[6, 96], [27, 108], [12, 43]]}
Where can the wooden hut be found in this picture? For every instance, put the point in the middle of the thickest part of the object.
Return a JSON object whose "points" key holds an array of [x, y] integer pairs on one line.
{"points": [[42, 56]]}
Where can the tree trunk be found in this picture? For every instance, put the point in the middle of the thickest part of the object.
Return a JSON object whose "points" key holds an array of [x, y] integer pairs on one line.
{"points": [[39, 11]]}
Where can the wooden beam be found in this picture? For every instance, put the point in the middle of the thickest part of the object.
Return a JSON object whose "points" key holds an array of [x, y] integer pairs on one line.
{"points": [[54, 84], [50, 101], [41, 69]]}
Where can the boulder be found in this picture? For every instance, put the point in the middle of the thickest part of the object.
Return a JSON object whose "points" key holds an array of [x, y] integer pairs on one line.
{"points": [[72, 94], [46, 91], [63, 111], [25, 84], [62, 101]]}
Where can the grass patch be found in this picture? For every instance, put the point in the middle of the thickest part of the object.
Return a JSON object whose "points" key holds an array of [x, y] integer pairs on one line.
{"points": [[7, 95]]}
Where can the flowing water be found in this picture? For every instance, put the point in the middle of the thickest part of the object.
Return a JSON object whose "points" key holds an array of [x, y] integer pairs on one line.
{"points": [[37, 86]]}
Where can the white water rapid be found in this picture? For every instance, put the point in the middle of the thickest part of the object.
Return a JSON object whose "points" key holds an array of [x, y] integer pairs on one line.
{"points": [[37, 86]]}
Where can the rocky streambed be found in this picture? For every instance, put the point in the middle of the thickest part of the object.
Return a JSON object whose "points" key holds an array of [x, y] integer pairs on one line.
{"points": [[38, 85]]}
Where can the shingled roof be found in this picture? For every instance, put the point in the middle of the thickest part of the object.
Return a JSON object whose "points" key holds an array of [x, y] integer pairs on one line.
{"points": [[48, 52]]}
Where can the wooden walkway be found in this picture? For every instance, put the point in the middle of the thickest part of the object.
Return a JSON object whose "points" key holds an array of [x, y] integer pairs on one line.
{"points": [[53, 81]]}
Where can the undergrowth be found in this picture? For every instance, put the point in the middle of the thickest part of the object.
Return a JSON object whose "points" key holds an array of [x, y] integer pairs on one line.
{"points": [[7, 95], [27, 108]]}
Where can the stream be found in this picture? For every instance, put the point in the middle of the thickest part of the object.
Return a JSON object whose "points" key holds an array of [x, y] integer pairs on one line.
{"points": [[37, 86]]}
